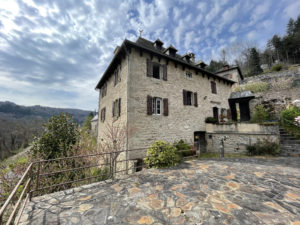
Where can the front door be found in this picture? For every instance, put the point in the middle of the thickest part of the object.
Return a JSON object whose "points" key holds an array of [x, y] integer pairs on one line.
{"points": [[199, 141]]}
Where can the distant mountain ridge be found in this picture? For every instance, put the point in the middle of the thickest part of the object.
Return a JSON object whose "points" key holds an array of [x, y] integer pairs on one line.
{"points": [[18, 111], [19, 124]]}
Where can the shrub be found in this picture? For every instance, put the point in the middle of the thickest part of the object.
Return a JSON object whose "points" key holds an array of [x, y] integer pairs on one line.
{"points": [[263, 147], [254, 87], [260, 114], [288, 120], [211, 120], [161, 155], [183, 149], [58, 138], [277, 67]]}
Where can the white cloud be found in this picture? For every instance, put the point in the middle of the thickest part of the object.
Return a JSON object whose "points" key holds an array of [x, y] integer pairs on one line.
{"points": [[292, 10]]}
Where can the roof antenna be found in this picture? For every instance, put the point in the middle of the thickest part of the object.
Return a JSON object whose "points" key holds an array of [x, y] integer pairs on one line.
{"points": [[141, 31]]}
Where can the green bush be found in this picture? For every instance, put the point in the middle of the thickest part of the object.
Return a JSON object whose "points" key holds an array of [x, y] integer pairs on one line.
{"points": [[254, 87], [263, 147], [260, 114], [183, 149], [161, 155], [100, 173], [211, 120], [288, 120], [277, 67]]}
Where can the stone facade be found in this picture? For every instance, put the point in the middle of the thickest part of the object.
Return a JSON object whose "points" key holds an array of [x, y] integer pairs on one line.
{"points": [[182, 120], [233, 74], [238, 136]]}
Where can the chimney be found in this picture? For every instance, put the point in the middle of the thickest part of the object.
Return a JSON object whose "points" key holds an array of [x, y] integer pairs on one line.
{"points": [[186, 57], [158, 44], [192, 56], [116, 49]]}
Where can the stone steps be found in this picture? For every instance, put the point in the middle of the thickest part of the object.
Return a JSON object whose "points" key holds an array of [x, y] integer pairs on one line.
{"points": [[289, 145]]}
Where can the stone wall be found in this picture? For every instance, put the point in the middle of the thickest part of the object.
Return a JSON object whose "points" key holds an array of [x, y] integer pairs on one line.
{"points": [[284, 88], [183, 120], [238, 136]]}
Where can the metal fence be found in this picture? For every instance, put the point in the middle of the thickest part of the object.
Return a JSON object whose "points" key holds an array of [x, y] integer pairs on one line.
{"points": [[47, 176]]}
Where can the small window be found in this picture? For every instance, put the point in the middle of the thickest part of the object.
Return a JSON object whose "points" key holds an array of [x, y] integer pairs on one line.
{"points": [[213, 87], [102, 115], [116, 108], [188, 74], [103, 90], [156, 71], [156, 106]]}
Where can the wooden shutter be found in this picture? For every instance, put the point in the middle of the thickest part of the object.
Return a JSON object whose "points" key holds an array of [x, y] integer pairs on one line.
{"points": [[213, 87], [149, 68], [184, 94], [113, 109], [104, 111], [165, 72], [119, 107], [195, 99], [166, 107], [149, 105]]}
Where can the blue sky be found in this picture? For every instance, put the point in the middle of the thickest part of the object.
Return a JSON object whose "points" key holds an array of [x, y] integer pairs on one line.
{"points": [[53, 52]]}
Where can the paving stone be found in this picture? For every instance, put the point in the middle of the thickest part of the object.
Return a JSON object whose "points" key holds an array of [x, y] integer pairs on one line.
{"points": [[221, 191]]}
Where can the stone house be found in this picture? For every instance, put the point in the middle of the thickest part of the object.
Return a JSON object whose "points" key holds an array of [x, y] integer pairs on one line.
{"points": [[94, 125], [157, 94], [233, 73]]}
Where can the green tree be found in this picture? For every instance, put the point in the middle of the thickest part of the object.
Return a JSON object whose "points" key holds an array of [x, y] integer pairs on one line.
{"points": [[58, 138], [214, 66], [254, 62], [87, 122], [290, 27]]}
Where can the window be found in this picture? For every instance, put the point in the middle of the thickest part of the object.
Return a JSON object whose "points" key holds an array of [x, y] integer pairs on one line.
{"points": [[213, 87], [116, 108], [102, 114], [156, 70], [117, 75], [190, 98], [104, 90], [188, 74], [156, 106]]}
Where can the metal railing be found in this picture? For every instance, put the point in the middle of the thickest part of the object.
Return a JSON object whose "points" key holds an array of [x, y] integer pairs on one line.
{"points": [[47, 176]]}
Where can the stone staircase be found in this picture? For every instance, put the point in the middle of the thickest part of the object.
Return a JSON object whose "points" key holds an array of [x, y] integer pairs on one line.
{"points": [[289, 145]]}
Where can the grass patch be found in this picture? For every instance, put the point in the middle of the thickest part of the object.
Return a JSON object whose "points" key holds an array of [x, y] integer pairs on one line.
{"points": [[209, 155], [254, 87]]}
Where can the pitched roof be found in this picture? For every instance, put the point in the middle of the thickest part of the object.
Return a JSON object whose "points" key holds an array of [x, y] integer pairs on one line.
{"points": [[148, 46], [232, 68], [241, 94]]}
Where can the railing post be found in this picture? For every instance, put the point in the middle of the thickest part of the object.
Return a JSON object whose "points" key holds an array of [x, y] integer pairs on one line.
{"points": [[38, 175], [30, 183]]}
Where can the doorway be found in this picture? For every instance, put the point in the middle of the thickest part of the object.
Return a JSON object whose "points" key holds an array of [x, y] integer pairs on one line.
{"points": [[200, 141]]}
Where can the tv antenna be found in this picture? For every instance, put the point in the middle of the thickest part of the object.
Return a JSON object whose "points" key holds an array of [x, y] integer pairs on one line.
{"points": [[141, 31]]}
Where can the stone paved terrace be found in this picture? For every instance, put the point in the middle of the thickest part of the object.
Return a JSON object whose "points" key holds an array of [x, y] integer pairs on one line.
{"points": [[229, 191]]}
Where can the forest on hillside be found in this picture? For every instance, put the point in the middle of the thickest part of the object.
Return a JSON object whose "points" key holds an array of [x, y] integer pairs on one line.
{"points": [[19, 124], [278, 50]]}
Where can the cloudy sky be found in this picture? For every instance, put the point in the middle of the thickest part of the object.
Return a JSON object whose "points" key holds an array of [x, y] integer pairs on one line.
{"points": [[53, 52]]}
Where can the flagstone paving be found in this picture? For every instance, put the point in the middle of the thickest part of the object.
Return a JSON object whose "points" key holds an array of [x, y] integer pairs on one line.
{"points": [[227, 191]]}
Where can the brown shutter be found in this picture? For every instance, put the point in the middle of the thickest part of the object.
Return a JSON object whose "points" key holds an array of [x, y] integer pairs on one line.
{"points": [[213, 87], [195, 99], [229, 114], [165, 73], [149, 105], [113, 109], [166, 107], [104, 114], [119, 107], [184, 97], [149, 68]]}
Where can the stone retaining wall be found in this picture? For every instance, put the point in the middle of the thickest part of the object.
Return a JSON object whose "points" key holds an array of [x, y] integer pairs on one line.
{"points": [[238, 136]]}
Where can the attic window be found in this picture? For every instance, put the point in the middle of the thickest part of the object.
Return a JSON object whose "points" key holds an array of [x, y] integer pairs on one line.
{"points": [[188, 74]]}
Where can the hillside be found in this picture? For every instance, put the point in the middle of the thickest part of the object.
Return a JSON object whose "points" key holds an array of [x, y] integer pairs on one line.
{"points": [[19, 124]]}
